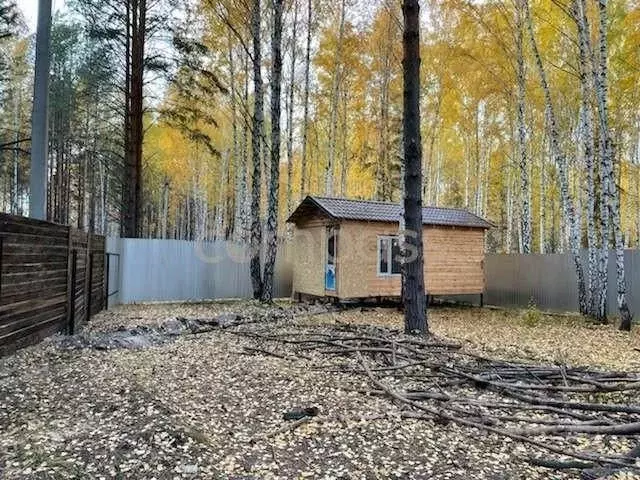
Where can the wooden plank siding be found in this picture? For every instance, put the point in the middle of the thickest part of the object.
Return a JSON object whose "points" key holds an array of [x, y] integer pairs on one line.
{"points": [[454, 259], [35, 279]]}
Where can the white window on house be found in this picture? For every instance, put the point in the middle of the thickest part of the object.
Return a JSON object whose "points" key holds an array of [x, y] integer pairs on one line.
{"points": [[389, 259]]}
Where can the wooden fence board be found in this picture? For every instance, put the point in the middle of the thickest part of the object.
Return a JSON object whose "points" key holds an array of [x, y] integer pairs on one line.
{"points": [[38, 297]]}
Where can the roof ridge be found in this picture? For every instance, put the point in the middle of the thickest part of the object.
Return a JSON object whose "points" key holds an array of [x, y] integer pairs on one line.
{"points": [[322, 197]]}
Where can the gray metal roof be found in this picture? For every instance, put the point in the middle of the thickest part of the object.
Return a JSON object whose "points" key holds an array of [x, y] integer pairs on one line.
{"points": [[372, 211]]}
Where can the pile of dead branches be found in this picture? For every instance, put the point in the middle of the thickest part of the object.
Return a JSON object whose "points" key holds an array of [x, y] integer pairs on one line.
{"points": [[437, 380]]}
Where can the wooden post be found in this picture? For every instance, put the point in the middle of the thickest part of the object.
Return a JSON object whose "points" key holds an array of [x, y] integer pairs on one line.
{"points": [[90, 268], [70, 300], [72, 312], [481, 300], [87, 278]]}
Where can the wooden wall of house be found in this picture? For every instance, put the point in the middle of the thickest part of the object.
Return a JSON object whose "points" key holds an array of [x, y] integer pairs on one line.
{"points": [[41, 291], [309, 256], [453, 260]]}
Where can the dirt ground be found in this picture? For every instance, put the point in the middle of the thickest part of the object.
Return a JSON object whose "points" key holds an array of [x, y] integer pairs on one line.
{"points": [[201, 407]]}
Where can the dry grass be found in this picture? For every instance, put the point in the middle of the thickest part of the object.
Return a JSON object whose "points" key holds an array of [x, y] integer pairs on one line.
{"points": [[525, 334]]}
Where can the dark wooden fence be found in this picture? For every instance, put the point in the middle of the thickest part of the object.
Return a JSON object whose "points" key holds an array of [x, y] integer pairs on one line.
{"points": [[51, 280]]}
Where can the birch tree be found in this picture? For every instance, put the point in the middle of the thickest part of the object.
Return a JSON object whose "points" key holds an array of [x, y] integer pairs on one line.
{"points": [[595, 293], [525, 193], [561, 165], [305, 102], [610, 191], [290, 102], [274, 178], [335, 105], [256, 143]]}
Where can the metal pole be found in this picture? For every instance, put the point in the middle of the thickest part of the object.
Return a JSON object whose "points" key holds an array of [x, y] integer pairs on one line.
{"points": [[40, 115]]}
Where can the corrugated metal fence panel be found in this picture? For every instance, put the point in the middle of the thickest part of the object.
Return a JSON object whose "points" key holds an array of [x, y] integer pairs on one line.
{"points": [[549, 281], [180, 270]]}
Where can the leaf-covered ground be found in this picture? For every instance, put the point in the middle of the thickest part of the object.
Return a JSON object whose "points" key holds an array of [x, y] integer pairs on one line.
{"points": [[203, 407]]}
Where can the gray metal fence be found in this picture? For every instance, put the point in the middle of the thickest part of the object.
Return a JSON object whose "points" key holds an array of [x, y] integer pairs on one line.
{"points": [[178, 270], [549, 281]]}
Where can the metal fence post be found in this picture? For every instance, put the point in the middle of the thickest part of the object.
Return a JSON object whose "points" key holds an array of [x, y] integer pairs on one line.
{"points": [[106, 280]]}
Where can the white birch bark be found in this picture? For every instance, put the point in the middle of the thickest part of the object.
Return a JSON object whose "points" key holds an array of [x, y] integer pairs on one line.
{"points": [[523, 162], [305, 120], [610, 192], [290, 101], [560, 160], [335, 95]]}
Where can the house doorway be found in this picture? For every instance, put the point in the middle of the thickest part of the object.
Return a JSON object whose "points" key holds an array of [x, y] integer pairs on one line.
{"points": [[330, 266]]}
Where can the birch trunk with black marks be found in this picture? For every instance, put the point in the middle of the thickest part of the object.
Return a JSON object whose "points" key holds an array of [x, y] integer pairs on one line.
{"points": [[415, 315], [292, 80], [610, 191], [542, 211], [525, 187], [274, 178], [587, 151], [344, 160], [256, 144], [246, 130], [561, 162], [305, 120], [335, 103], [237, 159], [508, 244]]}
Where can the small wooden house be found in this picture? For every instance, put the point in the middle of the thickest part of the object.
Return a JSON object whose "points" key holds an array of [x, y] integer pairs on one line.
{"points": [[349, 249]]}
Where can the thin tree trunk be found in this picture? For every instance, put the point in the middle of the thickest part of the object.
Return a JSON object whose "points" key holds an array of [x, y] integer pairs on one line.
{"points": [[415, 316], [305, 121], [525, 191], [561, 162], [256, 143], [245, 196], [542, 212], [272, 217], [382, 167], [344, 163], [335, 94], [587, 151], [165, 207], [610, 190], [290, 108]]}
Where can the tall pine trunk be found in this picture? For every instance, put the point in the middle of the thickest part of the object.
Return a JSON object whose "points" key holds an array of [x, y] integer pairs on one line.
{"points": [[132, 184], [415, 315], [256, 143], [274, 179]]}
